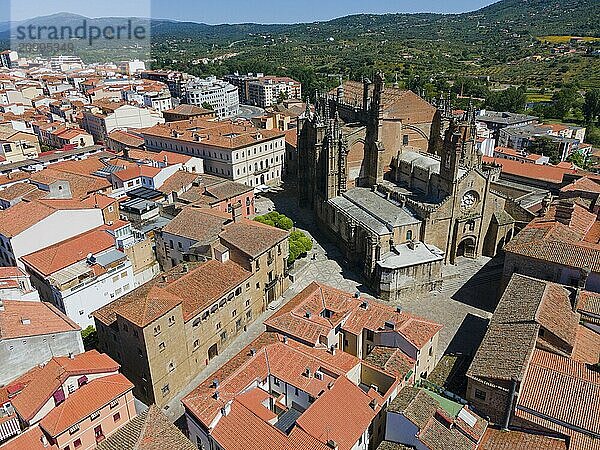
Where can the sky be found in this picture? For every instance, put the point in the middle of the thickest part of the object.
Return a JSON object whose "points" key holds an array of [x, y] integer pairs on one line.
{"points": [[235, 11]]}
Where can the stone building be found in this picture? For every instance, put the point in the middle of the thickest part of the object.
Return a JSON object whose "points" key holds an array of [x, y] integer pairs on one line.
{"points": [[164, 332], [431, 188]]}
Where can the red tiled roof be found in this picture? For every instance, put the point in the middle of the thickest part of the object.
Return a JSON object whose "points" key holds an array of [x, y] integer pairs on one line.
{"points": [[292, 318], [47, 380], [495, 439], [85, 401], [542, 172], [9, 272], [559, 389], [342, 414], [583, 184], [31, 439], [62, 254], [43, 317], [587, 346], [137, 171]]}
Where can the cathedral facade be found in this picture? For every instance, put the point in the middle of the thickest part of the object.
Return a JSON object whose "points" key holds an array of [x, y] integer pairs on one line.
{"points": [[407, 211]]}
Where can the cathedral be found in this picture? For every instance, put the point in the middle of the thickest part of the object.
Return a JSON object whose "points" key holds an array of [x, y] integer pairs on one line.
{"points": [[399, 185]]}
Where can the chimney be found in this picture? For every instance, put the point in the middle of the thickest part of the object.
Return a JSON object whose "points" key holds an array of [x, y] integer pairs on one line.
{"points": [[308, 314], [364, 305], [373, 404], [252, 352], [399, 309], [332, 444], [285, 339], [25, 320], [215, 383], [44, 440], [332, 350], [307, 372], [564, 211], [184, 268], [236, 212], [71, 355], [390, 325], [216, 395]]}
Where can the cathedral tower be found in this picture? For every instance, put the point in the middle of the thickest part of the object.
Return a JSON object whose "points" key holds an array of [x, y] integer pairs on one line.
{"points": [[373, 145]]}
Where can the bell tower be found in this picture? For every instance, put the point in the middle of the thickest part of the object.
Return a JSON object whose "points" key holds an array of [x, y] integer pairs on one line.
{"points": [[373, 145]]}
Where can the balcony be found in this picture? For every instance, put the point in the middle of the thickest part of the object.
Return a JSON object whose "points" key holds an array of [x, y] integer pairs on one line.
{"points": [[271, 283]]}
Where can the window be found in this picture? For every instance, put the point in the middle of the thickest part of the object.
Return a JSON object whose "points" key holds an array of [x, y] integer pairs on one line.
{"points": [[405, 139], [74, 429], [481, 395], [171, 366], [95, 415], [165, 390], [234, 313], [247, 303], [161, 346], [77, 443], [171, 243], [116, 417], [218, 326], [114, 404], [249, 315], [223, 336], [156, 330], [409, 235], [196, 344], [71, 388], [171, 321], [276, 381]]}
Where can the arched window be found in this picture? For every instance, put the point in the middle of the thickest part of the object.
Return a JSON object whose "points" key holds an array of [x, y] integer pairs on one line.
{"points": [[409, 235]]}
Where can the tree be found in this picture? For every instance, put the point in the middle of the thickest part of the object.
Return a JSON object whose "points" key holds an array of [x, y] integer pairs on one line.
{"points": [[276, 219], [564, 101], [546, 146], [580, 160], [281, 97], [90, 338], [591, 106], [512, 99], [207, 105], [300, 244]]}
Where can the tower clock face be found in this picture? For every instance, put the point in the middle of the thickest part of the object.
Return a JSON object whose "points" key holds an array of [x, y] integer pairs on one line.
{"points": [[469, 200]]}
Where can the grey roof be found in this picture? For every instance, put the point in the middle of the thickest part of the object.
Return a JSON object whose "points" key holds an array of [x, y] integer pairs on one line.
{"points": [[110, 257], [425, 162], [138, 205], [405, 256], [287, 420], [145, 193], [373, 211], [503, 118]]}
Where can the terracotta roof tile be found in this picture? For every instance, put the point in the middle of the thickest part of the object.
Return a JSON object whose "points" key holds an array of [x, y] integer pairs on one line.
{"points": [[150, 430], [62, 254], [47, 380], [86, 400], [495, 439], [43, 317], [542, 172], [32, 439]]}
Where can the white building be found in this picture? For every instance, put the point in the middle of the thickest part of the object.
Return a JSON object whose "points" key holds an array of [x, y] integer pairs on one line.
{"points": [[99, 122], [238, 152], [220, 95], [84, 273], [16, 285], [30, 226]]}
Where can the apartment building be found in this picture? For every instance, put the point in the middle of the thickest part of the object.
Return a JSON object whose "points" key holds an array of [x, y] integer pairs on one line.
{"points": [[324, 317], [83, 273], [17, 146], [72, 402], [165, 331], [264, 91], [101, 118], [197, 234], [236, 151], [24, 226], [32, 333], [220, 95], [270, 90], [280, 394]]}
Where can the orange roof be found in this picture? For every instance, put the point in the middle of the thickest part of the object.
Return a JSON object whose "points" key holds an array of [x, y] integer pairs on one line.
{"points": [[583, 184], [43, 317], [495, 439], [559, 389], [79, 184], [137, 171], [342, 414], [293, 320], [128, 139], [10, 272], [31, 439], [98, 201], [85, 166], [47, 380], [62, 254], [542, 172], [587, 345], [224, 134], [84, 401]]}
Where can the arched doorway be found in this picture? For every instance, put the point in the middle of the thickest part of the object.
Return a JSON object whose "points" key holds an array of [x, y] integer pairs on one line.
{"points": [[213, 351], [466, 248]]}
